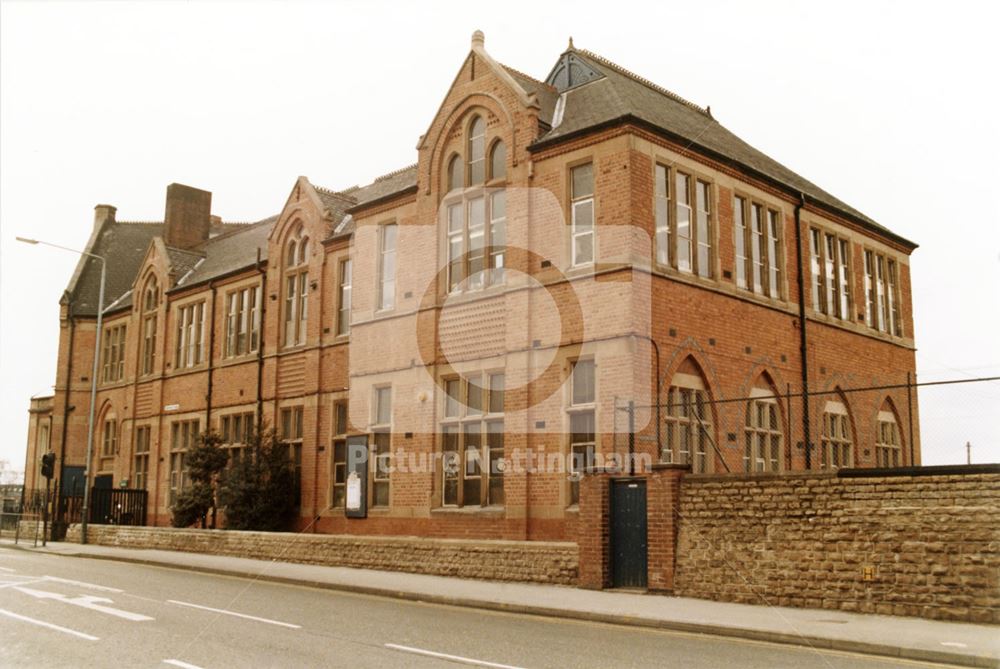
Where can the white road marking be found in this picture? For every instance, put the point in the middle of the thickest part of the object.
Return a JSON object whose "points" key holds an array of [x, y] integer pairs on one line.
{"points": [[954, 644], [453, 658], [87, 602], [7, 569], [234, 613], [82, 584], [183, 665], [42, 623]]}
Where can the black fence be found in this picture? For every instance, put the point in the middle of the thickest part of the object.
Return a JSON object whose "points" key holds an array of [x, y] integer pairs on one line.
{"points": [[108, 506]]}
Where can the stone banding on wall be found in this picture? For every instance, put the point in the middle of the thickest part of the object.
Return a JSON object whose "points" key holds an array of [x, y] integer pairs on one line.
{"points": [[525, 561]]}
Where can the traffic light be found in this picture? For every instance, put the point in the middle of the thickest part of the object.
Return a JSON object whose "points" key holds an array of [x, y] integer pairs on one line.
{"points": [[48, 465]]}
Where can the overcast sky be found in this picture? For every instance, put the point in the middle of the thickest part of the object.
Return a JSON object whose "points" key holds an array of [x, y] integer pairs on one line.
{"points": [[891, 106]]}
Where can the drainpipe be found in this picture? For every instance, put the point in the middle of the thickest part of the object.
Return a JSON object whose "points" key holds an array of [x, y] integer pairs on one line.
{"points": [[803, 348], [260, 344], [211, 359]]}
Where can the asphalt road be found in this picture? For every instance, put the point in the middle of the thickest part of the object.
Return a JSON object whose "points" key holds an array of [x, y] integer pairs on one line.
{"points": [[60, 611]]}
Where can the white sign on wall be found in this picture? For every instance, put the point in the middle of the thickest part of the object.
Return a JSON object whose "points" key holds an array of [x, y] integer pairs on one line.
{"points": [[353, 491]]}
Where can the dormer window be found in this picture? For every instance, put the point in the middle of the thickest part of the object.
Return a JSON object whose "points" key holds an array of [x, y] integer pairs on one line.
{"points": [[296, 287]]}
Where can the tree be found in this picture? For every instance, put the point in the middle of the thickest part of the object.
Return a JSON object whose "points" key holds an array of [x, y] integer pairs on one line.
{"points": [[205, 462], [259, 491]]}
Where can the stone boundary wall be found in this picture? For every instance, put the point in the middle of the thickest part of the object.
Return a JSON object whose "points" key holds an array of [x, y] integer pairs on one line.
{"points": [[523, 561], [912, 545]]}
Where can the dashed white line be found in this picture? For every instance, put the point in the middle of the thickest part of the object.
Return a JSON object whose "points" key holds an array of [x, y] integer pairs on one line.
{"points": [[452, 658], [42, 623], [7, 569], [183, 665], [234, 613]]}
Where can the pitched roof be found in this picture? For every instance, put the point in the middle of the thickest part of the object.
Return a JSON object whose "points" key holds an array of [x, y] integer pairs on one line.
{"points": [[124, 245], [230, 252], [617, 94], [546, 94], [384, 186]]}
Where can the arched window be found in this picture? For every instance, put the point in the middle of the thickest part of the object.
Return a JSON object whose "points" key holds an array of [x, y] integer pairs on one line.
{"points": [[888, 442], [109, 435], [475, 220], [763, 436], [150, 304], [476, 152], [688, 429], [455, 180], [498, 160], [296, 287], [836, 445]]}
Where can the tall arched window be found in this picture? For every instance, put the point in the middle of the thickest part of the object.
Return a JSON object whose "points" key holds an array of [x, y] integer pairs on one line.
{"points": [[688, 421], [150, 304], [888, 441], [109, 434], [455, 173], [498, 160], [836, 445], [476, 219], [476, 151], [763, 436], [296, 287]]}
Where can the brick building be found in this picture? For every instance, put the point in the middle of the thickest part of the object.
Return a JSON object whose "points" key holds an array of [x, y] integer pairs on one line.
{"points": [[559, 249]]}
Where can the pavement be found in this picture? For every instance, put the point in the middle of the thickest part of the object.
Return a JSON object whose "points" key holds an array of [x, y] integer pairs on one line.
{"points": [[962, 644]]}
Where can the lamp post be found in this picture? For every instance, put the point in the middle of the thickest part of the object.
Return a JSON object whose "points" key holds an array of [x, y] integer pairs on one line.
{"points": [[85, 512]]}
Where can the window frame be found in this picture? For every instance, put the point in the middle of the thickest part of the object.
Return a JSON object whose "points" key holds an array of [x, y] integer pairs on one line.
{"points": [[140, 457], [189, 335], [243, 309], [586, 447], [883, 299], [113, 355], [386, 286], [758, 439], [836, 437], [888, 451], [345, 269], [575, 203], [830, 278], [295, 287], [759, 247], [338, 462], [486, 419], [686, 395], [666, 220], [379, 469], [183, 435]]}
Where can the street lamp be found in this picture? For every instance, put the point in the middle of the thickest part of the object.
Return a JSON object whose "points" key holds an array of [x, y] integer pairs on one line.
{"points": [[93, 382]]}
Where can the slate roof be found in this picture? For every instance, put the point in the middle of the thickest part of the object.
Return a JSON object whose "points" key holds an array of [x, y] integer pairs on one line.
{"points": [[230, 252], [124, 245], [546, 94], [622, 95]]}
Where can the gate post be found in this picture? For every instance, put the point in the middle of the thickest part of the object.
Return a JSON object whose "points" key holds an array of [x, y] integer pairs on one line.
{"points": [[662, 518], [594, 530]]}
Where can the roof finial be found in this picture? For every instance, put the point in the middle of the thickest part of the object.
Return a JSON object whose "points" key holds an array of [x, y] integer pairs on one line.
{"points": [[478, 39], [570, 47]]}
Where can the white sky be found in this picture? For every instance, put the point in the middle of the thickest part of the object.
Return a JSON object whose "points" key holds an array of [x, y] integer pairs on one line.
{"points": [[891, 106]]}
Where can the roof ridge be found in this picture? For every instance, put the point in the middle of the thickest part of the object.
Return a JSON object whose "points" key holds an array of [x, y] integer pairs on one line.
{"points": [[242, 227], [393, 173], [527, 76], [182, 250], [644, 81], [138, 222], [338, 194]]}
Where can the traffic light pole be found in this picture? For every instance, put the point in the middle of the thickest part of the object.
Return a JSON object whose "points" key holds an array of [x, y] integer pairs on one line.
{"points": [[45, 512]]}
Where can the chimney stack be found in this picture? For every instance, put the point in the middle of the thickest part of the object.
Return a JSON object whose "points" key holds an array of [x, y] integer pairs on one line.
{"points": [[103, 213], [188, 218]]}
